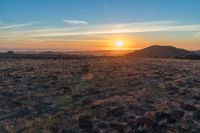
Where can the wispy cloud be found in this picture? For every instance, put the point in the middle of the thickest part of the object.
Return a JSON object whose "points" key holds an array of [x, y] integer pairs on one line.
{"points": [[105, 7], [75, 22], [11, 26], [155, 26], [99, 29], [197, 35]]}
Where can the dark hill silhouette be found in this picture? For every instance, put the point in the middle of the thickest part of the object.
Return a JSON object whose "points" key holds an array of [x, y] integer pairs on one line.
{"points": [[161, 52]]}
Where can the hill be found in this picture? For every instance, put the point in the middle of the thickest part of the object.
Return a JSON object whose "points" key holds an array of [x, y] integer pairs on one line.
{"points": [[156, 51]]}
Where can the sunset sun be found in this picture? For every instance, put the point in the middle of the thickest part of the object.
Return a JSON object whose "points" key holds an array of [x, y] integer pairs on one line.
{"points": [[119, 43]]}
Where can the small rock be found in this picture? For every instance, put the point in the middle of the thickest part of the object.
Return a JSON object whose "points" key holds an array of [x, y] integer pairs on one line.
{"points": [[66, 130], [88, 100], [132, 124], [188, 107], [196, 115], [85, 121], [7, 94], [196, 97], [120, 127], [23, 112], [145, 122], [102, 125], [171, 120], [88, 130], [161, 115], [117, 112], [77, 95], [177, 114], [160, 129], [174, 116]]}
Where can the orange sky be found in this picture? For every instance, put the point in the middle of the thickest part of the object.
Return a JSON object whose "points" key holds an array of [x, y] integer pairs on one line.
{"points": [[132, 42], [96, 25]]}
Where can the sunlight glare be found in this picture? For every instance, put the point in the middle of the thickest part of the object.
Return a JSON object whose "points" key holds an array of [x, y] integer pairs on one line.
{"points": [[119, 43]]}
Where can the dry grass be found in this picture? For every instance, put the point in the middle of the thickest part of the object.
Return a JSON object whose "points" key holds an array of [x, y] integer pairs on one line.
{"points": [[50, 95]]}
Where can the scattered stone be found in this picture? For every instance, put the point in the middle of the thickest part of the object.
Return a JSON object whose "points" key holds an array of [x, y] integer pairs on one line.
{"points": [[85, 121], [88, 100], [145, 122], [188, 107], [23, 112], [77, 95], [196, 98], [196, 115], [160, 116], [7, 94], [132, 124], [160, 129], [171, 120], [117, 112], [67, 130], [102, 125], [176, 114], [120, 127]]}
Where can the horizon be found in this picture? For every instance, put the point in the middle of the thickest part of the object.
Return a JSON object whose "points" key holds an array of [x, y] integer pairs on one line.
{"points": [[74, 51], [77, 25]]}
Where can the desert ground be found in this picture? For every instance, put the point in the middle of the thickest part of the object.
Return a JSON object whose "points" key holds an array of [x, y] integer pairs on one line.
{"points": [[99, 95]]}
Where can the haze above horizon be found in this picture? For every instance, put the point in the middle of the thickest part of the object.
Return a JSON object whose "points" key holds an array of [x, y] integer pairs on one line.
{"points": [[98, 24]]}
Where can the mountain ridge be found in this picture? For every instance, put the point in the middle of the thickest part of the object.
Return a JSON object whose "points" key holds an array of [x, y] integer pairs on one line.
{"points": [[158, 51]]}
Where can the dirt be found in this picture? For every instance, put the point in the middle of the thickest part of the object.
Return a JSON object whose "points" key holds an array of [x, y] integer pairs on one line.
{"points": [[102, 95]]}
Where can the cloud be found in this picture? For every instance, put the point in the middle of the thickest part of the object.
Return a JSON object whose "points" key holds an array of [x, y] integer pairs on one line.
{"points": [[99, 29], [106, 7], [197, 35], [102, 29], [11, 26], [75, 22]]}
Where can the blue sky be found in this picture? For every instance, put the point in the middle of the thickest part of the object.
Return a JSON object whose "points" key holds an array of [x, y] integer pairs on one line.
{"points": [[75, 20], [100, 11]]}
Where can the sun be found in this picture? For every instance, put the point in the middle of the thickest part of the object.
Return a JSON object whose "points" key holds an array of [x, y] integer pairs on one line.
{"points": [[119, 43]]}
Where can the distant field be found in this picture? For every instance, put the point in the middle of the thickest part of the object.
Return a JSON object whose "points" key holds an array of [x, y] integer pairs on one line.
{"points": [[99, 95]]}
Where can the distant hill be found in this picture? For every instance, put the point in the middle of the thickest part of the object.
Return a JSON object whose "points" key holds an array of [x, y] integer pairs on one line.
{"points": [[156, 51], [197, 52]]}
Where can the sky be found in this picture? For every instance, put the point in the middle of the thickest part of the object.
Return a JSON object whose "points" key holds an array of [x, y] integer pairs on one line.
{"points": [[98, 24]]}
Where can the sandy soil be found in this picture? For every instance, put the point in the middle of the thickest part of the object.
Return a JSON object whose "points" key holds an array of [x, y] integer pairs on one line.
{"points": [[105, 95]]}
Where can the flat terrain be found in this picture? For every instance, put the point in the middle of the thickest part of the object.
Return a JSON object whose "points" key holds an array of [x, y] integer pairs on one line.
{"points": [[104, 95]]}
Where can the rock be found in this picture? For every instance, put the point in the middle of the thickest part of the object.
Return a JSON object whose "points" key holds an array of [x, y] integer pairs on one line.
{"points": [[196, 98], [85, 121], [117, 112], [102, 125], [64, 89], [176, 114], [88, 100], [14, 104], [23, 112], [197, 130], [77, 95], [160, 116], [196, 115], [120, 127], [7, 94], [132, 124], [66, 130], [188, 107], [145, 122], [88, 130], [85, 69], [171, 120], [160, 129]]}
